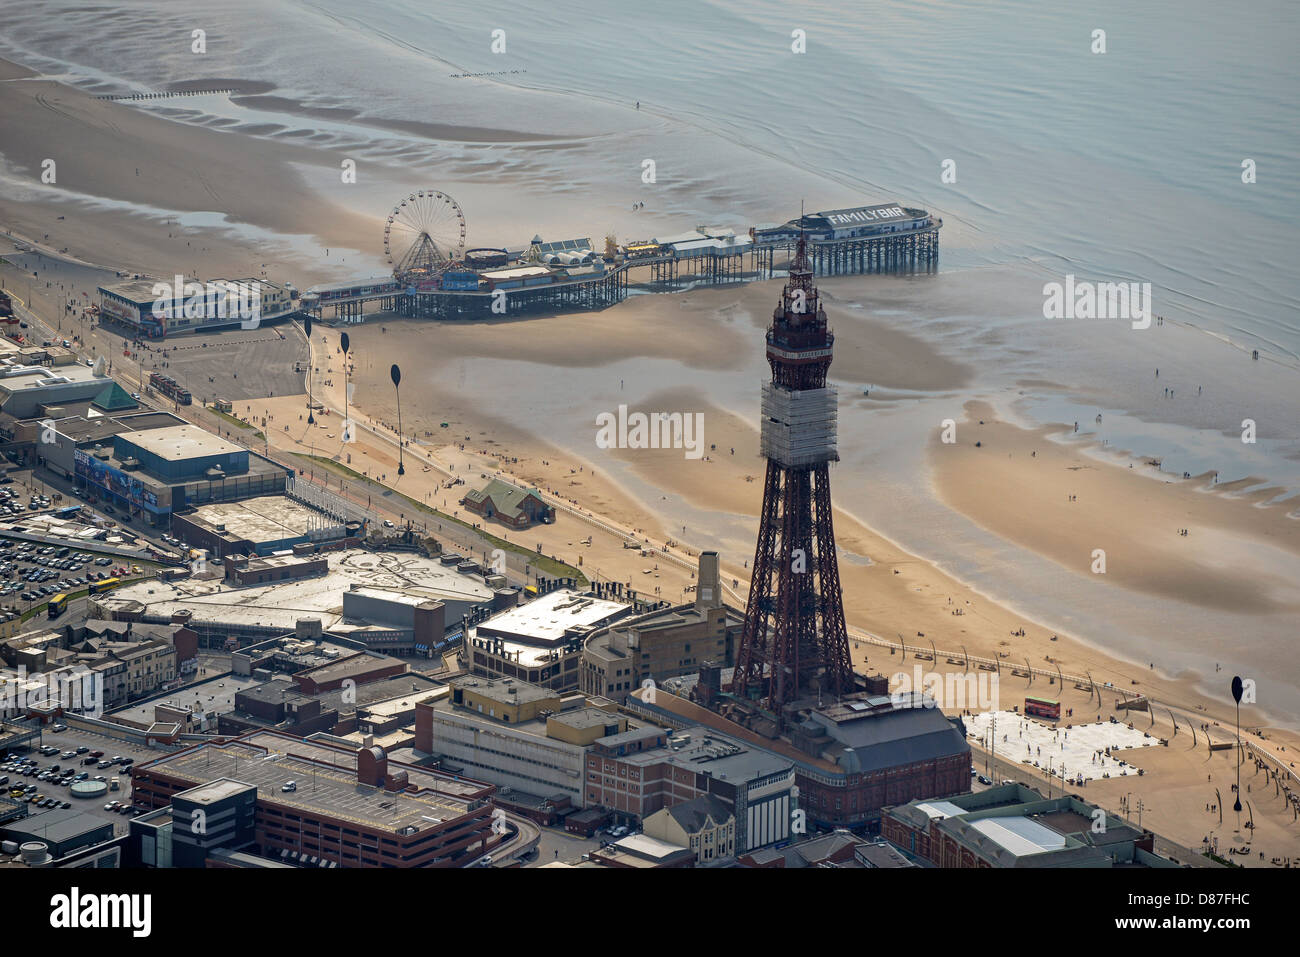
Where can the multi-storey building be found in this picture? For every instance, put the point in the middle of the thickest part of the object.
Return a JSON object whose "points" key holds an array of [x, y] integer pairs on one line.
{"points": [[665, 643], [317, 800], [639, 772]]}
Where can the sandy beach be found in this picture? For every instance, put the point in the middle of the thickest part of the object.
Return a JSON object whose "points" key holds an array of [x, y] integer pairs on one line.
{"points": [[897, 592]]}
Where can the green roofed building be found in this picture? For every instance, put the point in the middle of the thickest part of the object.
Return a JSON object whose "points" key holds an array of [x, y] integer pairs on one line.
{"points": [[509, 504]]}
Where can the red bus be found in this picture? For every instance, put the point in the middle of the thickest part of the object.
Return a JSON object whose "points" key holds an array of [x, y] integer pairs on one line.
{"points": [[1043, 708]]}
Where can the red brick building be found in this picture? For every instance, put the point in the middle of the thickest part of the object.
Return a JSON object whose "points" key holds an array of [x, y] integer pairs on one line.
{"points": [[1015, 826], [509, 504], [359, 669], [354, 808], [852, 758]]}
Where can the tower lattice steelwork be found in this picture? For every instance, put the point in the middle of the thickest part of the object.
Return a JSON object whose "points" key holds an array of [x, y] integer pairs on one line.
{"points": [[794, 644]]}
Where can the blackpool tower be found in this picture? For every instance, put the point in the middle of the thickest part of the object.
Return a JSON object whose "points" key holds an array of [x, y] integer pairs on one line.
{"points": [[794, 644]]}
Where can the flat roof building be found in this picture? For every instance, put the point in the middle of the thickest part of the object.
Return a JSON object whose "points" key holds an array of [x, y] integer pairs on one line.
{"points": [[62, 831], [641, 771], [665, 643], [354, 807], [552, 618], [54, 434], [156, 472], [214, 607], [1015, 826], [156, 309], [513, 734], [853, 757], [259, 526], [541, 640], [25, 391]]}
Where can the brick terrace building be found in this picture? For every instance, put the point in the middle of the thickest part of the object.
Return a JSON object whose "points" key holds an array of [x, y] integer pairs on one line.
{"points": [[353, 807], [851, 758]]}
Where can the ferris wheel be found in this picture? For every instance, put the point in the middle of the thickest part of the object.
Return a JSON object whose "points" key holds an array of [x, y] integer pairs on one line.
{"points": [[424, 232]]}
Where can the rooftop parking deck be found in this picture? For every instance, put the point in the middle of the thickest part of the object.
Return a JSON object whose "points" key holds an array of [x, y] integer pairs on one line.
{"points": [[326, 782]]}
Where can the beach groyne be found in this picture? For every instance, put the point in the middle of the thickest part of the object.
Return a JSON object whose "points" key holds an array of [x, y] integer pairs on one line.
{"points": [[162, 95]]}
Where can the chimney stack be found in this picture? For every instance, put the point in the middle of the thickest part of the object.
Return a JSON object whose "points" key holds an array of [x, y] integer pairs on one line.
{"points": [[708, 590]]}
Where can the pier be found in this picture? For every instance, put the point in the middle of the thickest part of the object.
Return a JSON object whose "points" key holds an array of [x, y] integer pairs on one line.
{"points": [[568, 276]]}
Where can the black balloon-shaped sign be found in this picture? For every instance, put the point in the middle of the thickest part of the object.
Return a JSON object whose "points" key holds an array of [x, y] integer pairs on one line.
{"points": [[1236, 688], [396, 373], [344, 341], [306, 325]]}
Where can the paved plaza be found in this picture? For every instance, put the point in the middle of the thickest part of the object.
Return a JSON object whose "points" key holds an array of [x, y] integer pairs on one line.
{"points": [[1075, 753]]}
